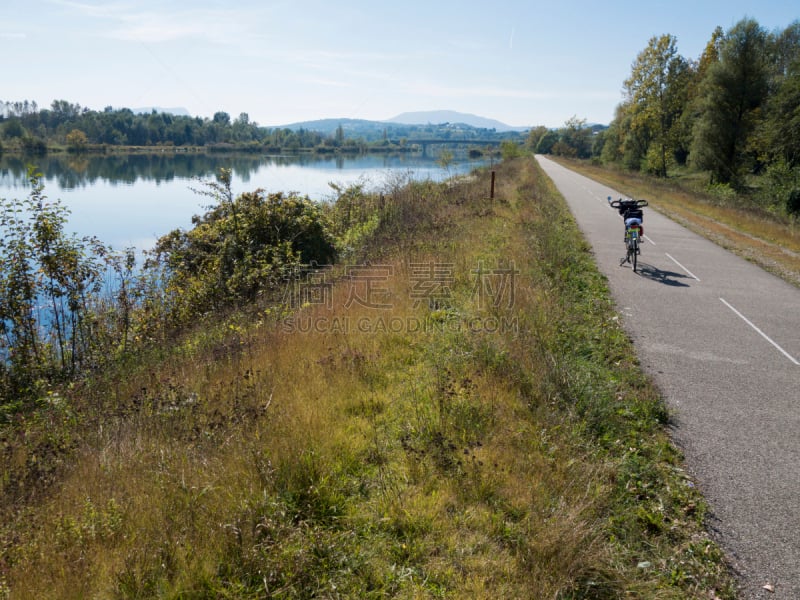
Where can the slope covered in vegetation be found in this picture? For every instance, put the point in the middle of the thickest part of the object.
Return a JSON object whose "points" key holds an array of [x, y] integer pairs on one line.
{"points": [[450, 410]]}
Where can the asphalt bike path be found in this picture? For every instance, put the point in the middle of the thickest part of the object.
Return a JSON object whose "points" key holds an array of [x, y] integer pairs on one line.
{"points": [[721, 339]]}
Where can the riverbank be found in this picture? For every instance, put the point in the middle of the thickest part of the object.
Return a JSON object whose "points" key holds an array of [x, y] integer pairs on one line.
{"points": [[453, 412], [353, 149]]}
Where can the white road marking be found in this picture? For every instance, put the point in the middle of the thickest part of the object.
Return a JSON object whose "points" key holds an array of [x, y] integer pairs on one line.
{"points": [[764, 335], [692, 275]]}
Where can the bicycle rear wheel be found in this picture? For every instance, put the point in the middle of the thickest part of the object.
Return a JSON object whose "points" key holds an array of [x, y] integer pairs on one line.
{"points": [[635, 252]]}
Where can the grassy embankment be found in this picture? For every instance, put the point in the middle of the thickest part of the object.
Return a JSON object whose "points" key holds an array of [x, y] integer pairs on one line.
{"points": [[770, 241], [495, 441]]}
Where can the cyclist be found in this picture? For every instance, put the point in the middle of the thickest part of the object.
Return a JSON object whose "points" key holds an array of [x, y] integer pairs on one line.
{"points": [[631, 213]]}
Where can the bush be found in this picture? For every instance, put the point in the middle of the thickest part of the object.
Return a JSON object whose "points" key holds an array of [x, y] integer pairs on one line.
{"points": [[781, 190], [510, 150], [241, 248], [34, 146], [77, 140], [793, 202], [50, 296]]}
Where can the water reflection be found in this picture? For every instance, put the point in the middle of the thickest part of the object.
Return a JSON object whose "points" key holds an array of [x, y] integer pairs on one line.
{"points": [[75, 171], [132, 199]]}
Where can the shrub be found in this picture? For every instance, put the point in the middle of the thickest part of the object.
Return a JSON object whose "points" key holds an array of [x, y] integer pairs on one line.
{"points": [[793, 202], [241, 247]]}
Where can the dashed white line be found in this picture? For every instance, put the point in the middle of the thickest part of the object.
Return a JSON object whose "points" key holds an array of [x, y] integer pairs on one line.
{"points": [[692, 275], [764, 335]]}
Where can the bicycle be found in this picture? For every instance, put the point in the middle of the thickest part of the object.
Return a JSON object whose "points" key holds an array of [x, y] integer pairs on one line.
{"points": [[631, 211]]}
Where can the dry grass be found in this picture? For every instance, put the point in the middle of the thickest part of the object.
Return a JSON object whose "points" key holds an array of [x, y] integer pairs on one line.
{"points": [[456, 447]]}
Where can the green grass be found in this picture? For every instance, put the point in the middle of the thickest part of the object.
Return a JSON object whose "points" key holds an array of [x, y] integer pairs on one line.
{"points": [[494, 439]]}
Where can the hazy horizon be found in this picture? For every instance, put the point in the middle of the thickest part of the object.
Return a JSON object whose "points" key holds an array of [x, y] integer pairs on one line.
{"points": [[520, 62]]}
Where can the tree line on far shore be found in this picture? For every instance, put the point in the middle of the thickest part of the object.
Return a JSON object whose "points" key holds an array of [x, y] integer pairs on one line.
{"points": [[24, 127]]}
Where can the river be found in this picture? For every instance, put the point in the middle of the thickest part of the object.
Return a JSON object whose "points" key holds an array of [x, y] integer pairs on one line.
{"points": [[131, 200]]}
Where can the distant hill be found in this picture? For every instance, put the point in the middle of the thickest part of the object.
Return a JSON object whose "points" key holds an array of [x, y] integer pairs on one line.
{"points": [[450, 116], [329, 126], [411, 124]]}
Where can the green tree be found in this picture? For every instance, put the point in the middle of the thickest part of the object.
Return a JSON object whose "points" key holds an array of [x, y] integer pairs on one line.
{"points": [[786, 49], [684, 128], [65, 110], [784, 118], [656, 94], [13, 129], [782, 125], [546, 142], [242, 129], [222, 118], [731, 99], [534, 135], [575, 139], [781, 131]]}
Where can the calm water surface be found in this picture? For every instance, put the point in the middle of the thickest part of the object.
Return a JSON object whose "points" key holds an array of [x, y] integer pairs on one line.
{"points": [[129, 201]]}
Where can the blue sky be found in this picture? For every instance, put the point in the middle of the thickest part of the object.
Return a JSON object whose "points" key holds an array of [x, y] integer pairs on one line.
{"points": [[522, 62]]}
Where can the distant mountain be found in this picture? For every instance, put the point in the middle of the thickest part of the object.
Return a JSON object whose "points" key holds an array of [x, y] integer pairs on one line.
{"points": [[351, 128], [329, 126], [410, 124], [436, 117]]}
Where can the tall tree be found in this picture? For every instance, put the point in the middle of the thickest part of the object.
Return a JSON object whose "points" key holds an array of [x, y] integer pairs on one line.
{"points": [[656, 94], [731, 98], [546, 142], [786, 48], [781, 131], [784, 117], [613, 139], [534, 135], [576, 138], [693, 110]]}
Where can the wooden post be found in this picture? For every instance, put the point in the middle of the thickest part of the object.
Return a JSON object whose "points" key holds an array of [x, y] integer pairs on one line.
{"points": [[491, 194]]}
